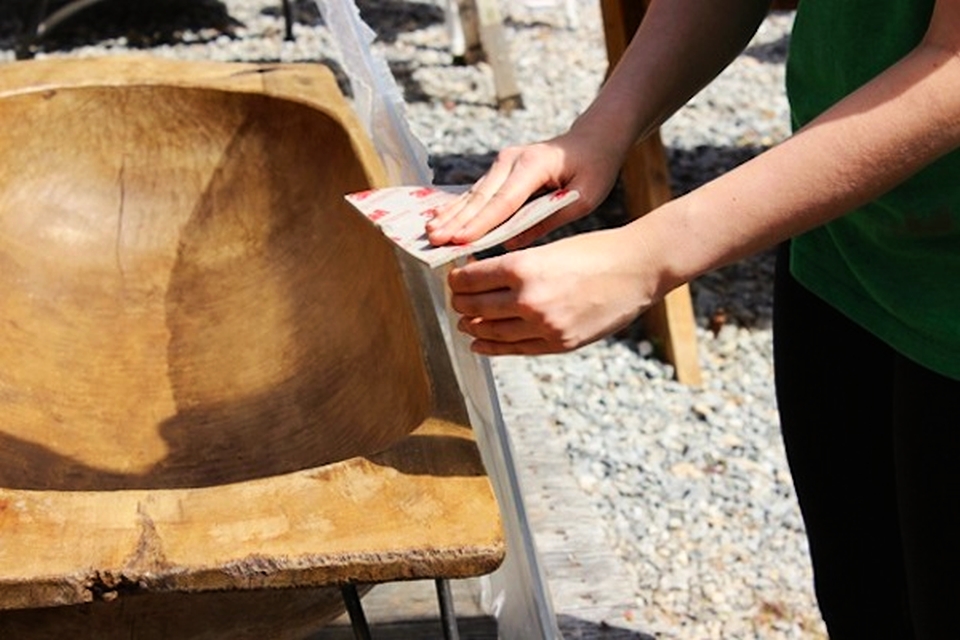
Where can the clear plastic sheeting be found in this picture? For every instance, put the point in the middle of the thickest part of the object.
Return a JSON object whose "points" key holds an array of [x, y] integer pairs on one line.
{"points": [[516, 594], [377, 99]]}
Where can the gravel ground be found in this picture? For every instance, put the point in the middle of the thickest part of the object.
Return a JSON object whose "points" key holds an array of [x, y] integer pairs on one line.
{"points": [[692, 483]]}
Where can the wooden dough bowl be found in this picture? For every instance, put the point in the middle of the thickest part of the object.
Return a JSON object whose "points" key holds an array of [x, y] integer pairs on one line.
{"points": [[220, 396]]}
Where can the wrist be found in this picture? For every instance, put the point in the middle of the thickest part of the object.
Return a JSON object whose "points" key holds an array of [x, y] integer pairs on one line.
{"points": [[611, 136], [665, 253]]}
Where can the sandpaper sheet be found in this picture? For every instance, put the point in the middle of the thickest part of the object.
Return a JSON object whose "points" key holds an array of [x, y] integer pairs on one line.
{"points": [[401, 214]]}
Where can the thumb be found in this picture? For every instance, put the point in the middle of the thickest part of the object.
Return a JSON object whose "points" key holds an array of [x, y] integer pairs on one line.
{"points": [[480, 276]]}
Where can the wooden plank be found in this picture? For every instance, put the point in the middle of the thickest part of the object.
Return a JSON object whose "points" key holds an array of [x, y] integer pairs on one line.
{"points": [[646, 183]]}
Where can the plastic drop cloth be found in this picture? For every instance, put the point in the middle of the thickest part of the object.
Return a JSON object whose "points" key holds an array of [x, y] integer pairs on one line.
{"points": [[516, 594]]}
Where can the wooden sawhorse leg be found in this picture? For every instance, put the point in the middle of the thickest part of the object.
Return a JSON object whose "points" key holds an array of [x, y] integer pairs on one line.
{"points": [[646, 184], [476, 28]]}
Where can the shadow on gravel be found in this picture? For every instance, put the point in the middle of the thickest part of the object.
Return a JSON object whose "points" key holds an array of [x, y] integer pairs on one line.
{"points": [[770, 52], [304, 12], [390, 18], [572, 627], [153, 23], [521, 24], [402, 71], [144, 25]]}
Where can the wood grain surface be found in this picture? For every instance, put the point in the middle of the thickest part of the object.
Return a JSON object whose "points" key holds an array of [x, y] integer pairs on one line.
{"points": [[211, 375]]}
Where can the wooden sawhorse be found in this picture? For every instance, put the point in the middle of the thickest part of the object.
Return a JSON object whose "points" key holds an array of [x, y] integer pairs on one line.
{"points": [[646, 183]]}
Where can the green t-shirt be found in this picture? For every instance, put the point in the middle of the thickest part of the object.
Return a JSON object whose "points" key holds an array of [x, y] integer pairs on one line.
{"points": [[892, 266]]}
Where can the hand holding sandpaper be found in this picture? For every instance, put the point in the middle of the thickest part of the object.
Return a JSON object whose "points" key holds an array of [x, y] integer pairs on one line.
{"points": [[402, 212]]}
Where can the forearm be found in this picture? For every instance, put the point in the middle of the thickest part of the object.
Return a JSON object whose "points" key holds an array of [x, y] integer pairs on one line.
{"points": [[865, 145], [680, 46]]}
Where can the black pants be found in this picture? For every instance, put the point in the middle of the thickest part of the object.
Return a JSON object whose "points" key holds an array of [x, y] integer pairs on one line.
{"points": [[873, 442]]}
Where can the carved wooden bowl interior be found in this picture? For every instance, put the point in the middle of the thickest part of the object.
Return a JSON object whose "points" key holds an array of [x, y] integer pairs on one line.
{"points": [[188, 306], [187, 300]]}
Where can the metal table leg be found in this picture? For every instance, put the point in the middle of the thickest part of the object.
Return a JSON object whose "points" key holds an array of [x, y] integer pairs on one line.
{"points": [[448, 616], [361, 631], [358, 620]]}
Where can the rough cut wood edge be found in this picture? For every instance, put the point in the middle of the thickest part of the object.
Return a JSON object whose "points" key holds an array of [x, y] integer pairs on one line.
{"points": [[423, 509]]}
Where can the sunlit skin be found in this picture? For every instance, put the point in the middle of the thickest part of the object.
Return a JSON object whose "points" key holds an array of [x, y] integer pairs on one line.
{"points": [[560, 296]]}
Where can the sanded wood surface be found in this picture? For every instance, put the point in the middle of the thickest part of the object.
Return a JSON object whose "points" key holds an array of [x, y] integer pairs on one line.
{"points": [[212, 375], [180, 275]]}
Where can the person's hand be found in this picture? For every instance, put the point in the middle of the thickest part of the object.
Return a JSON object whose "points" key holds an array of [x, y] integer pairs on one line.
{"points": [[570, 161], [552, 298]]}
